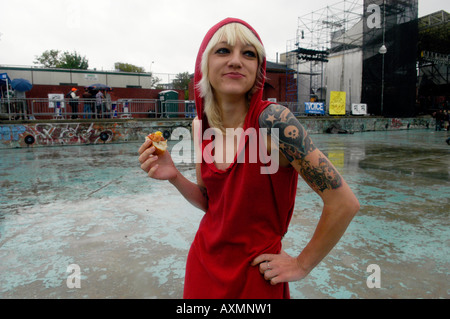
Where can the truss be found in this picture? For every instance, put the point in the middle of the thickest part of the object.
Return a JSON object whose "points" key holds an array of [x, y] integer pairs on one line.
{"points": [[331, 29], [335, 25]]}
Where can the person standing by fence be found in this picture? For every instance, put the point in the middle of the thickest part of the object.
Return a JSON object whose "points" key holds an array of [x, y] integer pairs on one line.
{"points": [[21, 105], [73, 102], [87, 96], [107, 105], [98, 103]]}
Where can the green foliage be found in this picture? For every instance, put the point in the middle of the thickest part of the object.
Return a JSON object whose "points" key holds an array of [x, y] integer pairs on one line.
{"points": [[127, 67], [181, 81], [64, 60], [49, 58]]}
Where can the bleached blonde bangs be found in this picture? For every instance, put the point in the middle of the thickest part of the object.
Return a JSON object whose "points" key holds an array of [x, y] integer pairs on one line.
{"points": [[231, 33]]}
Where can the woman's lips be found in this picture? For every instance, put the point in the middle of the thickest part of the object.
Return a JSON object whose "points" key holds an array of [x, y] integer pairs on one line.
{"points": [[234, 75]]}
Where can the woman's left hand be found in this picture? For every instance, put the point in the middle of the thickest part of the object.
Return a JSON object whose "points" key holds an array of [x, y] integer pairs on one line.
{"points": [[279, 268]]}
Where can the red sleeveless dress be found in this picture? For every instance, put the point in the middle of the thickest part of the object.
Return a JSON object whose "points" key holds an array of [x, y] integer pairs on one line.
{"points": [[248, 215]]}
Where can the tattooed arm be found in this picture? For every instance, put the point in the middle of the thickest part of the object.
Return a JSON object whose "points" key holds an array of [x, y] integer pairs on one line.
{"points": [[340, 204], [297, 147]]}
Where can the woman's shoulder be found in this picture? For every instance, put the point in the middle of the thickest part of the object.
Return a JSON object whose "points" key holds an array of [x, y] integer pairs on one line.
{"points": [[274, 113], [274, 108]]}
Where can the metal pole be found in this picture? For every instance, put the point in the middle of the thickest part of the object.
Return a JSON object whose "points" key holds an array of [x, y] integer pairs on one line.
{"points": [[321, 81], [7, 95], [382, 83], [310, 80], [382, 58]]}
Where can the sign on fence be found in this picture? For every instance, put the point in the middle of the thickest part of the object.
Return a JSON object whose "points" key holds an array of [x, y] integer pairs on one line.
{"points": [[337, 103], [359, 109], [56, 101], [314, 108]]}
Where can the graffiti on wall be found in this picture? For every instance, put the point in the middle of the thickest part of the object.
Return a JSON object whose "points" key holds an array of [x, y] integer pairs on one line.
{"points": [[48, 134], [55, 134], [11, 132]]}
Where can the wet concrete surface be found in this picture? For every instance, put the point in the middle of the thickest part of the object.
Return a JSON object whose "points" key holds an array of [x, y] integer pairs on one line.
{"points": [[92, 206]]}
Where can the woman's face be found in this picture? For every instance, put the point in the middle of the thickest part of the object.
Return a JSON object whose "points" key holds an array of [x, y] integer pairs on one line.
{"points": [[232, 69]]}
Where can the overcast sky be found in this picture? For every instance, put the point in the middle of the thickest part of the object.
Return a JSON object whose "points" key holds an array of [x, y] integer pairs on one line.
{"points": [[161, 36]]}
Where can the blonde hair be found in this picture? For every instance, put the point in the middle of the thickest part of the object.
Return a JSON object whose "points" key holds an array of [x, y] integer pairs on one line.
{"points": [[232, 33]]}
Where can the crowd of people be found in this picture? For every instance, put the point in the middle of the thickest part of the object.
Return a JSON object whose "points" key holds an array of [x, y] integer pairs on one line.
{"points": [[96, 103]]}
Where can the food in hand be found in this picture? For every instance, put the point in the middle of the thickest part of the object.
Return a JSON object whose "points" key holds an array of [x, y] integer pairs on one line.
{"points": [[158, 141]]}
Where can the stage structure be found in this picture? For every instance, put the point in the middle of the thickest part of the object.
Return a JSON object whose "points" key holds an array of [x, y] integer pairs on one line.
{"points": [[390, 56], [434, 62], [366, 48], [316, 52]]}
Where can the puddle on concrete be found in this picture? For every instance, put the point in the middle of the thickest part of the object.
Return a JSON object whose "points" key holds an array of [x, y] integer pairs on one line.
{"points": [[92, 206]]}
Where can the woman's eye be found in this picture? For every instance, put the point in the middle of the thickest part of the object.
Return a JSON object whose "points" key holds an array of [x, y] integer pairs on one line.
{"points": [[222, 51], [250, 54]]}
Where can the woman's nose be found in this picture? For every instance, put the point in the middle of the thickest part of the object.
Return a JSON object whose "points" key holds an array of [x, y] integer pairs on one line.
{"points": [[235, 59]]}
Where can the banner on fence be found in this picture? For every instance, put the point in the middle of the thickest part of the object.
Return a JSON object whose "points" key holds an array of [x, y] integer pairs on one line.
{"points": [[314, 108], [337, 103], [359, 109], [56, 101]]}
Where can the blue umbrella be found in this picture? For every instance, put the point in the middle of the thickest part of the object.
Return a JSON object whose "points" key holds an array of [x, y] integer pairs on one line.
{"points": [[21, 85]]}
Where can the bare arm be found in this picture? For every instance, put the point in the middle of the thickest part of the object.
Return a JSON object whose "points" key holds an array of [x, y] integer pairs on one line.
{"points": [[195, 194], [162, 167], [340, 204]]}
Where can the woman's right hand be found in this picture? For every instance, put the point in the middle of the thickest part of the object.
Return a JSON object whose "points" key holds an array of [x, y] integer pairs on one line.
{"points": [[156, 166]]}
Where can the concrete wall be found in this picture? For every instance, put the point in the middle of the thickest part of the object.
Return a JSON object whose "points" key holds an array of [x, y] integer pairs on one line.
{"points": [[54, 133]]}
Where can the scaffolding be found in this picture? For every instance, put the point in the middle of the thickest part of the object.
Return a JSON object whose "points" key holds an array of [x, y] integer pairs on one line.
{"points": [[326, 29], [334, 28], [434, 61], [337, 48]]}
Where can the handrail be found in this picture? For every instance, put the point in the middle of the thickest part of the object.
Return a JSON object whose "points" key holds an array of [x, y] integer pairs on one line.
{"points": [[64, 108]]}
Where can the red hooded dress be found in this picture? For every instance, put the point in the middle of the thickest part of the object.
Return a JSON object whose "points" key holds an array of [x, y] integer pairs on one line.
{"points": [[248, 214]]}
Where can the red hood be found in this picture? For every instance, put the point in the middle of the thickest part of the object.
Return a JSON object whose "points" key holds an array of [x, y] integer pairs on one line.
{"points": [[257, 96]]}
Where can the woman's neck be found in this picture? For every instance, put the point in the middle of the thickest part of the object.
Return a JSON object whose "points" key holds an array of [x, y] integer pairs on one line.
{"points": [[233, 112]]}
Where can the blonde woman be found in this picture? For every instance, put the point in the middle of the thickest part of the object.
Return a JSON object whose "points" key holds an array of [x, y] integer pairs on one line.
{"points": [[237, 251]]}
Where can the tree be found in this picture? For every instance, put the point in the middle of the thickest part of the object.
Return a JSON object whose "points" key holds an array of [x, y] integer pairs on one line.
{"points": [[126, 67], [154, 82], [73, 61], [65, 60], [181, 81], [48, 58]]}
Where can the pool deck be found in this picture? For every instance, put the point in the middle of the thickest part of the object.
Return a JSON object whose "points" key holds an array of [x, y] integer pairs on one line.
{"points": [[91, 209]]}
